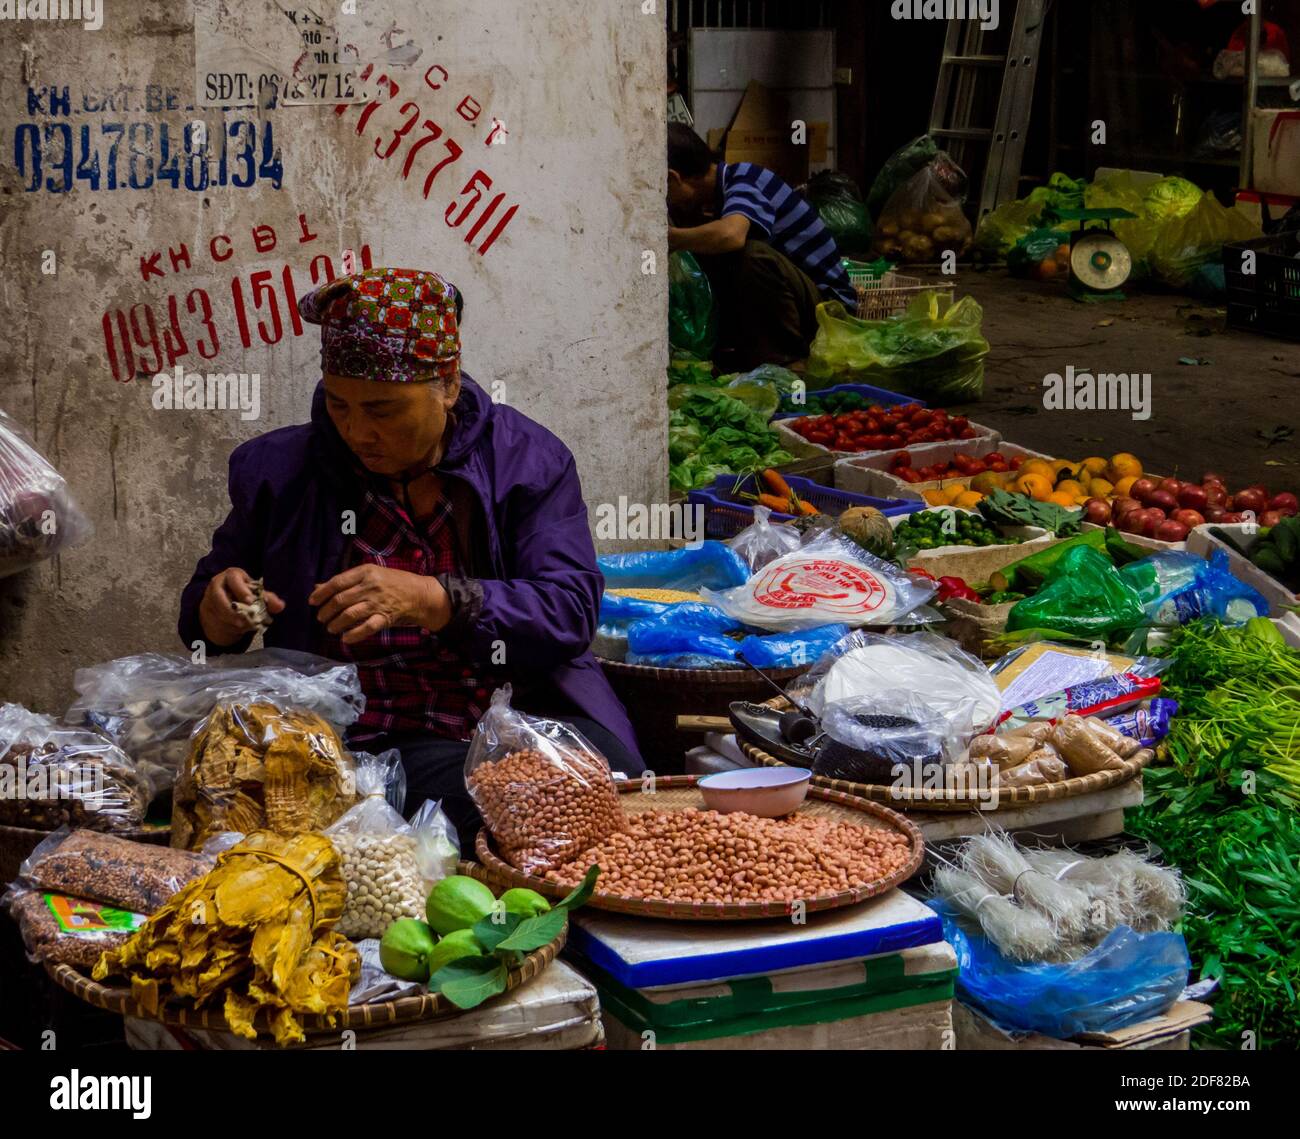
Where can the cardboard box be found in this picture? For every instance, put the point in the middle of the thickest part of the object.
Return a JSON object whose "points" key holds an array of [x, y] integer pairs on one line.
{"points": [[761, 133], [856, 472], [1168, 1033], [1201, 541]]}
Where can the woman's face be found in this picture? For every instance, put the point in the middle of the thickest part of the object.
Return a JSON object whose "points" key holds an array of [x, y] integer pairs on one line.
{"points": [[392, 428]]}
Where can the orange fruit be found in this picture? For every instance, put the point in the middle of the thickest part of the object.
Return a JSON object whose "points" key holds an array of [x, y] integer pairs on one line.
{"points": [[969, 500], [1062, 498], [1095, 466], [1036, 486], [1123, 465], [1124, 488], [1059, 465], [935, 498], [988, 481], [1038, 467], [1100, 488], [1069, 487]]}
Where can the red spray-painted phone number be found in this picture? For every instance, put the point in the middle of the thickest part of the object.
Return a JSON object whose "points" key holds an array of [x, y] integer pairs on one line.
{"points": [[475, 187], [125, 332]]}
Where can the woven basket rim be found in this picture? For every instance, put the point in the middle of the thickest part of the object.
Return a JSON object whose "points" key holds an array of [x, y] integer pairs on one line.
{"points": [[495, 871], [374, 1014], [700, 676]]}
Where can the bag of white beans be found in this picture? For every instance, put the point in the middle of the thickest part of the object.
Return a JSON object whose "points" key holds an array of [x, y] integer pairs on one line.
{"points": [[545, 793], [379, 850]]}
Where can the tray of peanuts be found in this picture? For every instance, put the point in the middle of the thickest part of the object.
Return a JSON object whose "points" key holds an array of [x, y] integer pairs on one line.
{"points": [[552, 810]]}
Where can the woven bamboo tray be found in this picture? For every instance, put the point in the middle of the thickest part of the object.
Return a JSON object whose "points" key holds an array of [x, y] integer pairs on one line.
{"points": [[678, 793], [376, 1014], [923, 799]]}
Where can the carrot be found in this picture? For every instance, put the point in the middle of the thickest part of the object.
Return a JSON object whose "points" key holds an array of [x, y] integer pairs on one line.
{"points": [[780, 505], [778, 485], [808, 508]]}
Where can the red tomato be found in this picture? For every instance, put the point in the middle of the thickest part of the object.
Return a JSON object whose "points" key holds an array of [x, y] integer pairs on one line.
{"points": [[967, 433]]}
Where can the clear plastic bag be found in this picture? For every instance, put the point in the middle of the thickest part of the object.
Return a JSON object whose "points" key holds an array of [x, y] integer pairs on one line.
{"points": [[378, 850], [149, 704], [38, 516], [924, 217], [1130, 977], [898, 168], [763, 542], [712, 564], [52, 775], [259, 766], [63, 930], [944, 677], [134, 876], [545, 793], [437, 849], [866, 738], [1178, 588], [830, 581]]}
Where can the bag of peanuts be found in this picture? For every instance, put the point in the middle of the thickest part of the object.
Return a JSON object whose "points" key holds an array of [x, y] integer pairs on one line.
{"points": [[379, 852], [545, 793], [65, 930]]}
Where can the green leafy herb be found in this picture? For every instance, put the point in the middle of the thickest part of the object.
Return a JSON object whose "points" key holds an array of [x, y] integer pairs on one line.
{"points": [[1007, 509], [533, 933], [470, 981], [491, 932], [579, 895]]}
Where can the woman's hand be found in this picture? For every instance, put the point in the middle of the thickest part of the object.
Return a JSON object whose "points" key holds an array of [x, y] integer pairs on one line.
{"points": [[360, 602], [221, 624]]}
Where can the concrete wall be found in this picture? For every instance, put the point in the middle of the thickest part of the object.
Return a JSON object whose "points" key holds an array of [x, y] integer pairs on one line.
{"points": [[560, 315]]}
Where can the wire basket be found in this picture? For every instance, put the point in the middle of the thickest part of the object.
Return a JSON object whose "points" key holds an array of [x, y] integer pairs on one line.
{"points": [[879, 298]]}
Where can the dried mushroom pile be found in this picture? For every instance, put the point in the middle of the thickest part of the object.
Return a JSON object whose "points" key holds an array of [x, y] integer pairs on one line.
{"points": [[254, 766], [255, 934]]}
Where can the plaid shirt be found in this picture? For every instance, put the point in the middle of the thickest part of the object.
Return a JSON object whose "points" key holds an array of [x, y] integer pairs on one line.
{"points": [[409, 680]]}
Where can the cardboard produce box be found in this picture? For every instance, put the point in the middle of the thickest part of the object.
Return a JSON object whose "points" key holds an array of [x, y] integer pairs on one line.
{"points": [[1168, 1033], [857, 472], [1279, 598], [761, 133]]}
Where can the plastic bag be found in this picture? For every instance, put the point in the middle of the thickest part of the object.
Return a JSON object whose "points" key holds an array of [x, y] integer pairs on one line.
{"points": [[690, 307], [832, 580], [545, 793], [437, 848], [898, 168], [761, 542], [791, 650], [923, 217], [711, 564], [1043, 254], [839, 204], [1170, 197], [61, 930], [935, 351], [149, 704], [1003, 227], [1120, 189], [52, 775], [1178, 588], [867, 737], [259, 766], [943, 676], [1130, 977], [38, 516], [1083, 596], [378, 851], [768, 375], [1186, 243], [134, 876]]}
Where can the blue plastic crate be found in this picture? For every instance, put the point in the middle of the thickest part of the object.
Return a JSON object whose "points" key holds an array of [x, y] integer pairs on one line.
{"points": [[726, 514], [866, 391]]}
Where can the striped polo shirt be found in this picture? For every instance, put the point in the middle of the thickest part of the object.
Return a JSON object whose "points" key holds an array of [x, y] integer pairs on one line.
{"points": [[786, 221]]}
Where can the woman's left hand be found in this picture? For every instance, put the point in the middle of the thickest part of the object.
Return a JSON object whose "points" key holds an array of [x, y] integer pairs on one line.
{"points": [[362, 601]]}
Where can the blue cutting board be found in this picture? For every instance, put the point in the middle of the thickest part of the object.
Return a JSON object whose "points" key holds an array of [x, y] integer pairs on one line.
{"points": [[643, 953]]}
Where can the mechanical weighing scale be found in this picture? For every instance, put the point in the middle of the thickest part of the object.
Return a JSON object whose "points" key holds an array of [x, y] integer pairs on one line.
{"points": [[1100, 263]]}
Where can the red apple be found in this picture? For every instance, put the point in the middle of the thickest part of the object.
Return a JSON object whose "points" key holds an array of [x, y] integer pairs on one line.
{"points": [[1252, 498], [1214, 513], [1171, 531], [1164, 499], [1270, 518], [1173, 486], [1143, 489], [1232, 518], [1193, 497], [1189, 518], [1216, 494], [1098, 510], [1134, 522], [1123, 506], [1155, 515], [1212, 476], [1285, 503]]}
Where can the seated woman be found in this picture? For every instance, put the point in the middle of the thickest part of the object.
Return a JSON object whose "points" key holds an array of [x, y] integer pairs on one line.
{"points": [[434, 538]]}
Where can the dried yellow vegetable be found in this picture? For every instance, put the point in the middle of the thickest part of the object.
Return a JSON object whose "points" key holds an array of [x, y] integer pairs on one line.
{"points": [[254, 933], [256, 766]]}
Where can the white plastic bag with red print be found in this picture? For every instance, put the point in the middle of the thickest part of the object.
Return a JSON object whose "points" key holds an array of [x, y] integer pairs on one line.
{"points": [[832, 580]]}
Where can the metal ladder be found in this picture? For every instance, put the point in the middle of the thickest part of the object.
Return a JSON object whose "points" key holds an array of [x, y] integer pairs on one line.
{"points": [[963, 64]]}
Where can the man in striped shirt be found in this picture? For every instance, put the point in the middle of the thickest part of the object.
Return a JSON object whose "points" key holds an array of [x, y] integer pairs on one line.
{"points": [[768, 257]]}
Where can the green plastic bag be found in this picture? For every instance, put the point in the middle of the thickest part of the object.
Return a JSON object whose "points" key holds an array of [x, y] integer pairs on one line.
{"points": [[1061, 193], [690, 307], [1037, 246], [1185, 244], [1084, 596], [898, 168], [839, 204], [934, 352], [1001, 229], [1121, 190]]}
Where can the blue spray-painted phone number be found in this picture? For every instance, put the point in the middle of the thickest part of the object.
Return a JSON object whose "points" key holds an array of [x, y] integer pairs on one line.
{"points": [[48, 150]]}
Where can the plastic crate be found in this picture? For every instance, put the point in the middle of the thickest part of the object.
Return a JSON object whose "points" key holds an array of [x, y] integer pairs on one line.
{"points": [[890, 295], [726, 513], [866, 391], [1268, 300]]}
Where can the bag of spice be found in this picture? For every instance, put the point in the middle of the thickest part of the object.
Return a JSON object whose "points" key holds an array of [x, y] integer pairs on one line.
{"points": [[133, 876], [379, 852], [545, 793], [65, 930]]}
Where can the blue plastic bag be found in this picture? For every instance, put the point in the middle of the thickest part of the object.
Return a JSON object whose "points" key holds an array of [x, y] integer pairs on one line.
{"points": [[710, 565], [791, 650], [1177, 588], [1130, 977]]}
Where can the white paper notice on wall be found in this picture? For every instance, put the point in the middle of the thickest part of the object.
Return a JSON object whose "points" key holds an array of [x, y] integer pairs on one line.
{"points": [[273, 53]]}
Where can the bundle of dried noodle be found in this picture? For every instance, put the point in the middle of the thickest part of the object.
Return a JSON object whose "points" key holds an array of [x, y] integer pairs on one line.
{"points": [[1122, 888], [256, 933], [1022, 934], [998, 861]]}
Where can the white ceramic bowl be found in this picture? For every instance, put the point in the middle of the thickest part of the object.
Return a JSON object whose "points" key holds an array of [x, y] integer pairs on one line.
{"points": [[766, 791]]}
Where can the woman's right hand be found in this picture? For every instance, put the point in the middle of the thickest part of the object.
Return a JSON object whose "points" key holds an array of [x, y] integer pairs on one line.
{"points": [[222, 625]]}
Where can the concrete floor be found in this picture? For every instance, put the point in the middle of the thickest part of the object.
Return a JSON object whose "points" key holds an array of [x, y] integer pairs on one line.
{"points": [[1202, 418]]}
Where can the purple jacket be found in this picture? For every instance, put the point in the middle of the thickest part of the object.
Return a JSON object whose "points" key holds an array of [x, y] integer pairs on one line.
{"points": [[530, 581]]}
